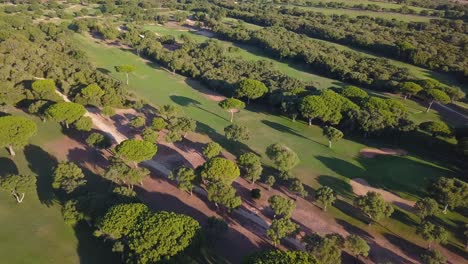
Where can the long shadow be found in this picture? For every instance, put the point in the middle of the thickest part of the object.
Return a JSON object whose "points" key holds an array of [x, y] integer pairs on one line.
{"points": [[340, 186], [354, 230], [350, 210], [42, 164], [92, 249], [282, 128], [403, 217], [7, 167], [380, 254], [410, 248], [184, 101]]}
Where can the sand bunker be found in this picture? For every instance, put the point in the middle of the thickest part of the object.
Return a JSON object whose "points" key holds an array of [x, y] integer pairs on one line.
{"points": [[361, 187], [372, 152]]}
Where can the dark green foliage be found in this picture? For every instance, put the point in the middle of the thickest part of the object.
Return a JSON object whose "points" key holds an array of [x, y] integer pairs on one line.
{"points": [[281, 228], [251, 89], [426, 207], [211, 150], [150, 135], [432, 232], [220, 170], [357, 246], [137, 122], [327, 249], [280, 257], [97, 140], [16, 131], [185, 178], [256, 193], [374, 206], [237, 132], [283, 157], [84, 123], [158, 124], [326, 196], [221, 193], [232, 105], [136, 150], [436, 128], [18, 185], [251, 165], [332, 134], [432, 256], [281, 206], [68, 177], [450, 192]]}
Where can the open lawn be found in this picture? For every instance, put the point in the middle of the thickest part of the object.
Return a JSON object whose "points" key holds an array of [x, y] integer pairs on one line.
{"points": [[34, 231], [370, 2], [405, 175]]}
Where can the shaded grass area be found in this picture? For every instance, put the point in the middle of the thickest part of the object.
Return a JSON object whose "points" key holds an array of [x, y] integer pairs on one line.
{"points": [[406, 176], [34, 231]]}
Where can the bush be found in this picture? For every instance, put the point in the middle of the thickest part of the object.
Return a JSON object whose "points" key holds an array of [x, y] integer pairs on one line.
{"points": [[256, 193]]}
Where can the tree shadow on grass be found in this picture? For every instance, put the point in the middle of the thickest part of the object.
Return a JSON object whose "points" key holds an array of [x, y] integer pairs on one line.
{"points": [[380, 254], [284, 129], [184, 101], [350, 210], [403, 217], [93, 250], [406, 246], [340, 186], [7, 167], [42, 164]]}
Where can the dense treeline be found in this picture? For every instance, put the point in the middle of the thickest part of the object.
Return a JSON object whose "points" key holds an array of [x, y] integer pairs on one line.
{"points": [[438, 45]]}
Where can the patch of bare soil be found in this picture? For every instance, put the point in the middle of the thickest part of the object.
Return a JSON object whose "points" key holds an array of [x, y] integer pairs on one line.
{"points": [[361, 187], [372, 152]]}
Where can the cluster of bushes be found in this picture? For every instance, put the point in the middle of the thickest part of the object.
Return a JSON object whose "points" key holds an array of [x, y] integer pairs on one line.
{"points": [[435, 45]]}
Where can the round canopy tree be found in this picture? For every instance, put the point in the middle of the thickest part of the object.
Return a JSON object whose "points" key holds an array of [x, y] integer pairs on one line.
{"points": [[281, 206], [283, 157], [125, 69], [92, 94], [237, 132], [15, 131], [65, 112], [450, 192], [409, 89], [311, 107], [232, 105], [374, 206], [212, 150], [18, 185], [252, 89], [332, 134], [326, 196], [220, 170], [436, 95], [136, 150], [436, 128], [68, 177]]}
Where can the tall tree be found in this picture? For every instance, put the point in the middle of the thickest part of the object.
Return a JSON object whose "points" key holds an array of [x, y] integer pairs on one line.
{"points": [[327, 249], [436, 95], [436, 128], [332, 134], [136, 150], [185, 177], [251, 89], [357, 246], [44, 90], [237, 132], [232, 105], [431, 233], [15, 131], [311, 107], [68, 177], [211, 150], [220, 170], [125, 69], [283, 157], [270, 181], [281, 206], [65, 112], [251, 165], [409, 89], [221, 193], [281, 228], [426, 207], [374, 206], [18, 185], [450, 192], [326, 196], [92, 94], [431, 256]]}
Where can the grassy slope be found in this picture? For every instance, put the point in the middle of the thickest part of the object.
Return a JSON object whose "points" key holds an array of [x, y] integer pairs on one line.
{"points": [[319, 164], [34, 232], [367, 2]]}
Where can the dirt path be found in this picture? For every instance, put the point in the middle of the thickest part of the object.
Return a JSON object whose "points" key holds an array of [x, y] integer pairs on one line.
{"points": [[372, 152]]}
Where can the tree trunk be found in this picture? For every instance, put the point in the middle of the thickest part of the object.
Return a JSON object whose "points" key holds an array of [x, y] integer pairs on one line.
{"points": [[127, 77], [18, 199], [248, 100], [445, 209], [329, 143], [67, 125], [405, 97], [294, 118], [232, 116], [11, 150], [324, 207], [430, 245], [429, 107], [191, 192], [310, 121]]}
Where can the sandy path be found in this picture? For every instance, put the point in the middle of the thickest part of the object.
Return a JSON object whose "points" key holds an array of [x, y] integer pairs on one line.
{"points": [[372, 152]]}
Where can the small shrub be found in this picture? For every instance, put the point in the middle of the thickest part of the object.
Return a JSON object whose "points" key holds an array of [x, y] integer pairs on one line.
{"points": [[256, 193]]}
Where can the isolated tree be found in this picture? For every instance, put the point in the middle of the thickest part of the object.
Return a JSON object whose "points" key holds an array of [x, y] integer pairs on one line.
{"points": [[220, 170], [409, 89], [150, 135], [426, 207], [169, 112], [332, 134], [374, 206], [326, 196], [212, 150], [280, 257], [44, 89], [251, 89], [221, 193], [450, 192], [283, 157], [98, 140], [280, 228], [135, 176], [65, 112], [18, 185], [436, 128], [182, 125], [431, 232], [68, 177], [291, 109], [158, 124], [432, 256], [327, 249], [436, 95], [354, 93], [108, 111], [297, 187], [237, 132], [185, 178], [136, 150], [137, 122], [84, 123], [312, 106], [251, 165], [92, 94], [281, 206], [357, 246], [15, 131], [125, 69], [232, 105], [270, 181]]}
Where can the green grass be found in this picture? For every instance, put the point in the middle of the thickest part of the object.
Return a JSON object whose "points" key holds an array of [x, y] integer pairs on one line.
{"points": [[355, 13], [368, 2], [34, 231], [406, 176], [251, 53]]}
